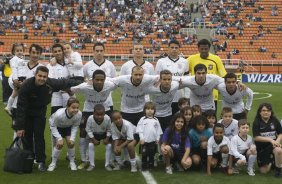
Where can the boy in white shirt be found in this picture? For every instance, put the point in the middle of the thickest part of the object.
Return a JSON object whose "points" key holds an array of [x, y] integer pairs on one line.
{"points": [[98, 129], [243, 150], [124, 136], [230, 124]]}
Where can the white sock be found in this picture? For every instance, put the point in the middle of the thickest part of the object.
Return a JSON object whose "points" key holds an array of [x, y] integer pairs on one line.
{"points": [[118, 159], [108, 154], [53, 142], [125, 154], [71, 154], [55, 155], [10, 102], [91, 153], [251, 161], [82, 149], [224, 157], [133, 161]]}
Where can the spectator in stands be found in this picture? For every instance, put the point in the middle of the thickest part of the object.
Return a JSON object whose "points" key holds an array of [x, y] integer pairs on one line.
{"points": [[273, 55], [263, 49]]}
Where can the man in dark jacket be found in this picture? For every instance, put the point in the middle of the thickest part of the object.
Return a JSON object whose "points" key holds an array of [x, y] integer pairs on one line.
{"points": [[34, 96]]}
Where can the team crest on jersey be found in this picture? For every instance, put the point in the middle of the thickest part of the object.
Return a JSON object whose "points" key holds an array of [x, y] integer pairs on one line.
{"points": [[272, 126], [210, 67], [179, 66]]}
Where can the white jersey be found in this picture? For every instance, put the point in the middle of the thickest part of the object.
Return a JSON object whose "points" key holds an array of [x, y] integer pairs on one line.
{"points": [[16, 63], [107, 66], [29, 72], [133, 97], [231, 129], [61, 119], [149, 129], [239, 147], [202, 94], [75, 69], [93, 97], [91, 66], [126, 68], [235, 100], [127, 131], [163, 100], [58, 71], [177, 67], [92, 127], [213, 147]]}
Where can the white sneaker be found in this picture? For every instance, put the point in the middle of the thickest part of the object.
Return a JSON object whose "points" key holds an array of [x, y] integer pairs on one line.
{"points": [[251, 172], [168, 170], [8, 111], [73, 166], [51, 167], [90, 168], [134, 168], [82, 165], [236, 170], [108, 168]]}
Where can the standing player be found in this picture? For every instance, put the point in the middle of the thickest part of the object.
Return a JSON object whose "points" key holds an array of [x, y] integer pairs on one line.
{"points": [[95, 92], [64, 124], [98, 129], [178, 66], [99, 62], [162, 97], [233, 97], [133, 90], [201, 86], [58, 71], [212, 62], [138, 60]]}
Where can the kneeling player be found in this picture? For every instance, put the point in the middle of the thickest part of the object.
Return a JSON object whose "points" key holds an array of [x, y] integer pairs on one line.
{"points": [[98, 129], [64, 124], [123, 134], [218, 150]]}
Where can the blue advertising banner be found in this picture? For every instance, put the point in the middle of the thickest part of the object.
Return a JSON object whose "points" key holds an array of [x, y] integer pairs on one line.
{"points": [[262, 78]]}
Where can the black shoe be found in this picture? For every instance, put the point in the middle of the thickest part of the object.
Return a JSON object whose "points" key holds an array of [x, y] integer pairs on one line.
{"points": [[41, 167]]}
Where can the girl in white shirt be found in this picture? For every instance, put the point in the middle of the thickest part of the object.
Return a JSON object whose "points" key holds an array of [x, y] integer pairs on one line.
{"points": [[64, 124], [74, 62], [15, 81]]}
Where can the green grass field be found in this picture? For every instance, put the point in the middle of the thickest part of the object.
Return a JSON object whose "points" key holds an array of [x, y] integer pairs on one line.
{"points": [[62, 174]]}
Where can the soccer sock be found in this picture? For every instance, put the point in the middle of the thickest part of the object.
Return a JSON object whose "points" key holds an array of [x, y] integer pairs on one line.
{"points": [[125, 154], [224, 157], [55, 155], [108, 154], [82, 149], [71, 154], [133, 161], [118, 159], [10, 102], [251, 161], [91, 151]]}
